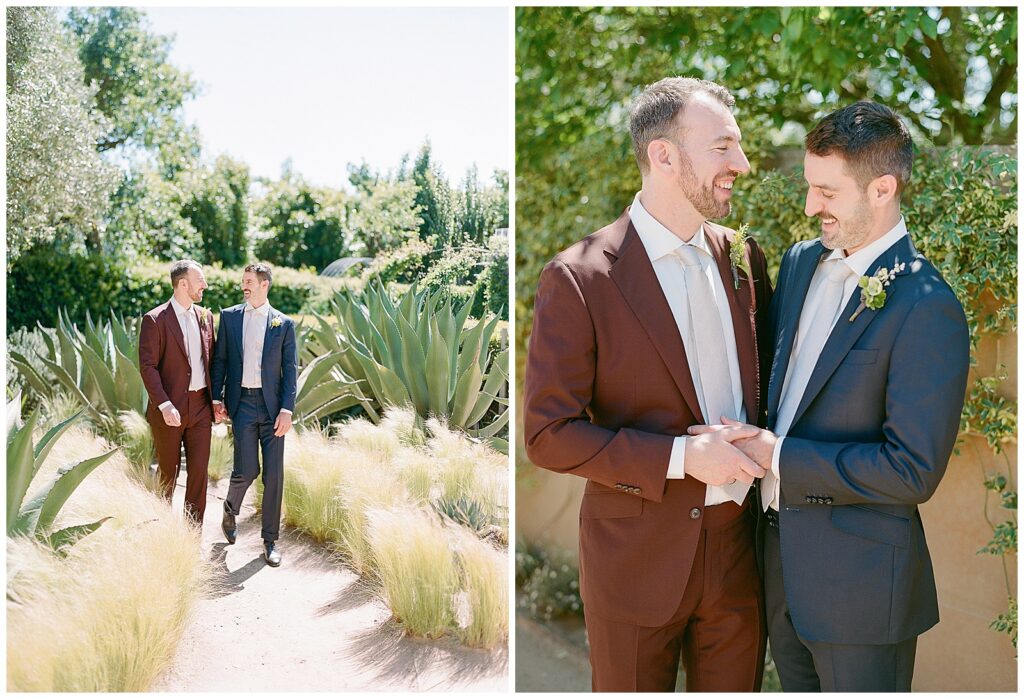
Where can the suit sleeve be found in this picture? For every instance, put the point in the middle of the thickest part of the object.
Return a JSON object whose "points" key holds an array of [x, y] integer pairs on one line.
{"points": [[220, 355], [289, 368], [149, 357], [924, 397], [558, 387]]}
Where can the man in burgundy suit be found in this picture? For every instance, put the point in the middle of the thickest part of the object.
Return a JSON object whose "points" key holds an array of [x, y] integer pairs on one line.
{"points": [[641, 330], [174, 358]]}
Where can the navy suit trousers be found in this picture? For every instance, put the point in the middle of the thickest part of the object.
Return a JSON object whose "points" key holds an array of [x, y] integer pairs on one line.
{"points": [[254, 431]]}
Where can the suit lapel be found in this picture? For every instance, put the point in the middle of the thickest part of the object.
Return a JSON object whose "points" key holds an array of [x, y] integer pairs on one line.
{"points": [[789, 321], [634, 275], [174, 328], [236, 329], [845, 334], [203, 334], [266, 335], [742, 313]]}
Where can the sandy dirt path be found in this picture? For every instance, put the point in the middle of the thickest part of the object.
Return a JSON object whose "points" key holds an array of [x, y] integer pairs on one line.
{"points": [[309, 625]]}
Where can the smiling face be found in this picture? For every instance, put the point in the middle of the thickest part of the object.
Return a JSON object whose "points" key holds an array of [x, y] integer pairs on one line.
{"points": [[254, 291], [710, 156], [194, 283], [842, 205]]}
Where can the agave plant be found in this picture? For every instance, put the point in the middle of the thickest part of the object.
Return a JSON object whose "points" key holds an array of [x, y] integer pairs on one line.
{"points": [[416, 352], [98, 365], [35, 518]]}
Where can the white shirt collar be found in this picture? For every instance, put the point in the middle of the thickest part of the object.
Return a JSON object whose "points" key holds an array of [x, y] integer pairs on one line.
{"points": [[178, 308], [657, 239], [862, 259], [262, 310]]}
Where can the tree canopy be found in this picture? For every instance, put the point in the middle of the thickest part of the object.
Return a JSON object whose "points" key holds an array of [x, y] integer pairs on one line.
{"points": [[56, 181]]}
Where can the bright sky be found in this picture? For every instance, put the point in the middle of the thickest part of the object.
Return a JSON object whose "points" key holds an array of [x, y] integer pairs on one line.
{"points": [[331, 86]]}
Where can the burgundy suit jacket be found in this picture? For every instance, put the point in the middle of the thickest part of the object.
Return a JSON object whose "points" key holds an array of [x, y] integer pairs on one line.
{"points": [[608, 388], [163, 362]]}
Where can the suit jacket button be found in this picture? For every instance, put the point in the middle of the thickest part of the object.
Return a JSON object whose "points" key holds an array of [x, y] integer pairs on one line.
{"points": [[636, 490], [809, 498], [618, 486], [695, 513], [828, 501]]}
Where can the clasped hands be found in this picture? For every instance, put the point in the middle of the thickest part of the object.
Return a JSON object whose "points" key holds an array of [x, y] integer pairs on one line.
{"points": [[282, 424], [728, 453]]}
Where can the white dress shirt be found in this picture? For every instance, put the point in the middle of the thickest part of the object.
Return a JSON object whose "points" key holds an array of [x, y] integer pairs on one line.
{"points": [[860, 264], [254, 331], [188, 321], [661, 245]]}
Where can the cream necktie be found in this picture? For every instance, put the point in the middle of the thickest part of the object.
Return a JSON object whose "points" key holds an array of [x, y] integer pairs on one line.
{"points": [[711, 358], [813, 333]]}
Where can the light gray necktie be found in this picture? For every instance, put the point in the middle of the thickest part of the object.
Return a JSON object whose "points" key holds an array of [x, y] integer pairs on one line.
{"points": [[711, 358], [814, 332]]}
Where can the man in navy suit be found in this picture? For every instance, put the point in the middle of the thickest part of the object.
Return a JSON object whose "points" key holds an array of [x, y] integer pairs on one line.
{"points": [[864, 402], [254, 369]]}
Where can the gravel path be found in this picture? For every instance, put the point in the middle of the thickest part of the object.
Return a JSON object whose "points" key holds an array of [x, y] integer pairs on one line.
{"points": [[308, 625]]}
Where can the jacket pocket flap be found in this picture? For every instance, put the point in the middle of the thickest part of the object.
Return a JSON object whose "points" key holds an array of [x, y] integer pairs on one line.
{"points": [[609, 505], [872, 524]]}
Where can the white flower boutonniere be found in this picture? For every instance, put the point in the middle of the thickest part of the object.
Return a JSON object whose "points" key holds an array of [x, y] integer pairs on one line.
{"points": [[872, 289], [737, 258], [276, 322]]}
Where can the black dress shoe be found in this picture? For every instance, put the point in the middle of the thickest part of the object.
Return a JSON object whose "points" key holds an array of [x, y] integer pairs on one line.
{"points": [[271, 554], [228, 525]]}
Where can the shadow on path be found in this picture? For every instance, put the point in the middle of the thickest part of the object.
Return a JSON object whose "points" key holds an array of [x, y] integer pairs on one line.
{"points": [[392, 655], [226, 582]]}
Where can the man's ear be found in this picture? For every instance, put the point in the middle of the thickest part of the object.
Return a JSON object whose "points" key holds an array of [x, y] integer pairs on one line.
{"points": [[883, 190], [660, 156]]}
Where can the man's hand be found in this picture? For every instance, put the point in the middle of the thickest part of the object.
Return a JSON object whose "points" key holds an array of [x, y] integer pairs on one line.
{"points": [[758, 444], [172, 418], [220, 413], [282, 424], [712, 459]]}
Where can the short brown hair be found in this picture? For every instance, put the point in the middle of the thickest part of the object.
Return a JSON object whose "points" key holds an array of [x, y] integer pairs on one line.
{"points": [[261, 270], [180, 268], [658, 105], [870, 138]]}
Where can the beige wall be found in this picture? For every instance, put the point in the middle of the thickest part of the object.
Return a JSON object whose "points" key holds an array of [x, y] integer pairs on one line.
{"points": [[961, 653]]}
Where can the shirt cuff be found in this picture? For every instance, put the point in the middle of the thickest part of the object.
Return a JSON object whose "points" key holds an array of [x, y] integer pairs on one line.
{"points": [[775, 457], [164, 405], [677, 460], [285, 410], [217, 402]]}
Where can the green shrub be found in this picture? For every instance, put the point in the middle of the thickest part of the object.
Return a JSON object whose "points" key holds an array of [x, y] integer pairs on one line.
{"points": [[548, 583], [43, 280], [404, 264]]}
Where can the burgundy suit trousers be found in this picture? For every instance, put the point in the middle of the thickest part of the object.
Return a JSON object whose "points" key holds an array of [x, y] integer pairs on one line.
{"points": [[718, 629], [195, 432]]}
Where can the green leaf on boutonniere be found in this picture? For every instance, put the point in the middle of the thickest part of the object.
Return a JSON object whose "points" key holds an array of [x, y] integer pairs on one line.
{"points": [[737, 256]]}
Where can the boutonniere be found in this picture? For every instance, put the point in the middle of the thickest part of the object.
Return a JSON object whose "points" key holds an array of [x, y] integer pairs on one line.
{"points": [[737, 258], [203, 321], [276, 322], [872, 289]]}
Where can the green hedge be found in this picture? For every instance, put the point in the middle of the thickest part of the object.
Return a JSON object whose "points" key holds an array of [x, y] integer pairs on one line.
{"points": [[43, 280]]}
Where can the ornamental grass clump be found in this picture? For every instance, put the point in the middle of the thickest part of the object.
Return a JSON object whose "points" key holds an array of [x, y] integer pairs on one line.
{"points": [[108, 616], [416, 570], [483, 575], [222, 454], [311, 485]]}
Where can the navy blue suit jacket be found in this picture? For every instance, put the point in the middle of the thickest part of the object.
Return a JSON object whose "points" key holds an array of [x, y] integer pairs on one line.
{"points": [[280, 361], [870, 441]]}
